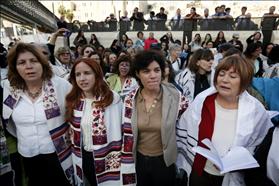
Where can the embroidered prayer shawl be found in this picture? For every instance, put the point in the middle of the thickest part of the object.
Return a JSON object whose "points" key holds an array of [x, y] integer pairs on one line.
{"points": [[115, 84], [53, 102], [5, 164], [186, 80], [131, 130], [253, 123], [110, 166]]}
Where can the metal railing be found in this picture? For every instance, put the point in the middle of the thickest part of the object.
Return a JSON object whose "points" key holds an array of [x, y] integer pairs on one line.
{"points": [[255, 23]]}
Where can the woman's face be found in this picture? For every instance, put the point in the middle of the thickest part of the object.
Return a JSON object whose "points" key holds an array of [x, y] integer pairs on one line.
{"points": [[85, 78], [140, 35], [124, 68], [79, 49], [129, 43], [124, 38], [228, 83], [112, 58], [221, 34], [96, 58], [204, 66], [87, 51], [257, 52], [29, 68], [151, 76], [163, 45], [209, 45], [207, 37], [167, 70], [257, 36]]}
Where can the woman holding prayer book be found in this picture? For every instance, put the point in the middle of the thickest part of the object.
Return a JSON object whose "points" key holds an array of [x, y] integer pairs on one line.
{"points": [[228, 116]]}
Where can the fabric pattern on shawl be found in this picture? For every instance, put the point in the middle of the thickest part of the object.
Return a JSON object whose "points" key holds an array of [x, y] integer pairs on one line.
{"points": [[55, 118], [107, 147]]}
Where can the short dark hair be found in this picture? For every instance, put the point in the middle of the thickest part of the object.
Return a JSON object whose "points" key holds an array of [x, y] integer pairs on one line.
{"points": [[232, 51], [202, 53], [140, 32], [252, 47], [244, 68], [144, 58]]}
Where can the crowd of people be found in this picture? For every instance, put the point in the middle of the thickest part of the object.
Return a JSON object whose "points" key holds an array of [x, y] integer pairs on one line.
{"points": [[131, 114], [221, 19]]}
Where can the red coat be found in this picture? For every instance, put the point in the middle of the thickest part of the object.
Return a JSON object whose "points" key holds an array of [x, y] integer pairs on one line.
{"points": [[148, 42]]}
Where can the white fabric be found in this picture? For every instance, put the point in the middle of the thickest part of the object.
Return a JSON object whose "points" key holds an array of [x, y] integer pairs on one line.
{"points": [[273, 158], [252, 125], [186, 80], [31, 128], [176, 66], [60, 70], [223, 134], [86, 125]]}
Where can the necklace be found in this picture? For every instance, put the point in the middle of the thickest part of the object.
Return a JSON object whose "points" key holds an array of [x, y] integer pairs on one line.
{"points": [[35, 94], [152, 106]]}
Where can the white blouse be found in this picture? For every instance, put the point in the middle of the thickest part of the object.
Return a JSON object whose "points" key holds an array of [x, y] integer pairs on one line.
{"points": [[223, 134], [31, 128], [86, 125]]}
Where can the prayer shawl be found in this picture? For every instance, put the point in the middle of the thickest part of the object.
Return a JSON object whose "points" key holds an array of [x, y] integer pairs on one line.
{"points": [[272, 158], [54, 92], [174, 104], [253, 123], [186, 80], [109, 145], [5, 164], [115, 84]]}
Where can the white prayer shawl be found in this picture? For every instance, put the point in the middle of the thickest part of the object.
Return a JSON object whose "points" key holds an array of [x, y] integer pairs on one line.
{"points": [[253, 123], [54, 105], [111, 169], [273, 158], [186, 80]]}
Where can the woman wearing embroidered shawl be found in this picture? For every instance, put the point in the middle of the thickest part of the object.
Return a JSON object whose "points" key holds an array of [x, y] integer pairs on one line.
{"points": [[33, 110], [94, 114], [149, 117], [228, 116], [121, 81]]}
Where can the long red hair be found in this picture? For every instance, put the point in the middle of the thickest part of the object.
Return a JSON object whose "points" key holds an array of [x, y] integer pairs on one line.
{"points": [[100, 90]]}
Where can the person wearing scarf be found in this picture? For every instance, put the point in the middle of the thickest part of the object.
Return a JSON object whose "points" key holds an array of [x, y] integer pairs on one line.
{"points": [[150, 116], [33, 112], [228, 116], [94, 115]]}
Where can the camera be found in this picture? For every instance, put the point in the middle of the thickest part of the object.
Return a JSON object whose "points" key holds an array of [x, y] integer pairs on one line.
{"points": [[67, 33]]}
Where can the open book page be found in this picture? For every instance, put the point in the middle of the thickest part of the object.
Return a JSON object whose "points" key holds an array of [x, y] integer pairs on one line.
{"points": [[237, 158], [211, 154]]}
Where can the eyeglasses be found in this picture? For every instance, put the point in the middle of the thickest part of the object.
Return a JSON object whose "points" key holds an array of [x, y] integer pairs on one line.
{"points": [[87, 51], [65, 54]]}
